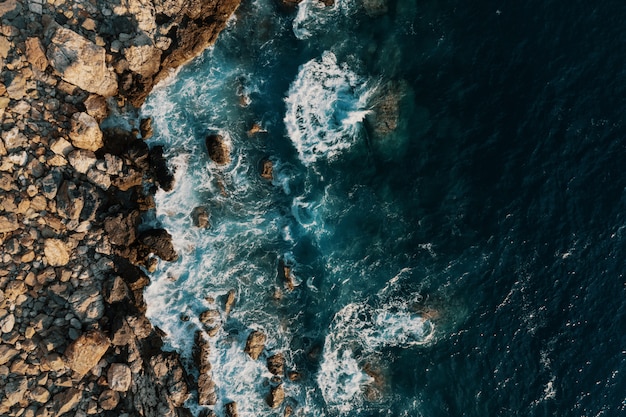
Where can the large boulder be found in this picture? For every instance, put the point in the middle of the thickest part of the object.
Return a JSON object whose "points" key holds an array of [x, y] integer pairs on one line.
{"points": [[81, 62], [276, 364], [86, 351], [56, 252], [158, 242], [276, 396], [119, 377]]}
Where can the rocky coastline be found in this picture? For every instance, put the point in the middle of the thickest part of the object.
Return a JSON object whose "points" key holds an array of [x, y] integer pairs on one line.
{"points": [[74, 339]]}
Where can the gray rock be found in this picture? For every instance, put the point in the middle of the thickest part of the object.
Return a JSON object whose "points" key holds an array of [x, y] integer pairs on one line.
{"points": [[69, 201], [49, 184], [87, 304]]}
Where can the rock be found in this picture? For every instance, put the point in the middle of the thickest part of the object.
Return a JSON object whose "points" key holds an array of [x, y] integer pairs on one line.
{"points": [[217, 149], [81, 62], [85, 132], [212, 321], [66, 401], [170, 372], [276, 364], [284, 272], [86, 351], [40, 395], [49, 184], [158, 242], [119, 377], [69, 201], [9, 223], [385, 115], [6, 354], [116, 290], [200, 217], [160, 169], [375, 8], [109, 399], [61, 147], [7, 323], [267, 171], [100, 179], [145, 59], [35, 54], [96, 106], [231, 409], [14, 139], [14, 391], [276, 396], [56, 251], [207, 394], [145, 127], [121, 228], [294, 376], [87, 304], [255, 344], [230, 301]]}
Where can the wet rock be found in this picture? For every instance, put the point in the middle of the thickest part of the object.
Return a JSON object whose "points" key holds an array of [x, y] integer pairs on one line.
{"points": [[56, 252], [294, 376], [230, 301], [145, 127], [285, 274], [276, 364], [207, 394], [200, 217], [85, 132], [159, 242], [35, 54], [86, 351], [276, 396], [385, 115], [81, 62], [217, 149], [119, 377], [109, 399], [231, 409], [212, 321], [255, 344], [160, 169], [267, 170]]}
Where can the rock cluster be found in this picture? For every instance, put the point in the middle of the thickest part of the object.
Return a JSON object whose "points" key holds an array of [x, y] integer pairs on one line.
{"points": [[74, 339]]}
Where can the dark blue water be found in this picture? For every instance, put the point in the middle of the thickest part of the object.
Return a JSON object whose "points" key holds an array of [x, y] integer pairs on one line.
{"points": [[449, 191]]}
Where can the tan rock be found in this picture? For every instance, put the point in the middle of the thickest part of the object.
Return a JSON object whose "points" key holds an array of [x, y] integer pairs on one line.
{"points": [[17, 89], [82, 160], [36, 54], [119, 377], [40, 395], [14, 139], [96, 107], [145, 60], [66, 401], [109, 399], [86, 133], [8, 223], [56, 251], [81, 62], [61, 147], [87, 304], [5, 44], [255, 344], [276, 396], [6, 354], [86, 351]]}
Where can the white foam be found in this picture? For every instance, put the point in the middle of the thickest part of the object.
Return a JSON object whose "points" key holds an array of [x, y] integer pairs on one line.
{"points": [[326, 105]]}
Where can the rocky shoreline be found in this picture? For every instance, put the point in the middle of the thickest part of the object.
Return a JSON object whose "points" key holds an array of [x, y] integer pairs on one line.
{"points": [[74, 339]]}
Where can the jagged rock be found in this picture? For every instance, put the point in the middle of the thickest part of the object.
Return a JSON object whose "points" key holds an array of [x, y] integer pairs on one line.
{"points": [[276, 364], [69, 201], [40, 395], [121, 228], [9, 223], [56, 251], [231, 409], [230, 301], [14, 139], [14, 392], [116, 290], [145, 127], [49, 184], [144, 59], [85, 132], [267, 170], [66, 401], [36, 54], [119, 377], [255, 344], [81, 62], [200, 217], [159, 242], [6, 354], [212, 321], [160, 169], [87, 304], [7, 323], [109, 399], [276, 396], [100, 179], [86, 351], [96, 107], [217, 149], [170, 372]]}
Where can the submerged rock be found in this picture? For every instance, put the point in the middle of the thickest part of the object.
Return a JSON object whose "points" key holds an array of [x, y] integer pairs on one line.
{"points": [[267, 170], [200, 217], [217, 149]]}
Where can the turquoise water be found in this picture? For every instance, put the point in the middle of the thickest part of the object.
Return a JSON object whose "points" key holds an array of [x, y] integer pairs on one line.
{"points": [[448, 191]]}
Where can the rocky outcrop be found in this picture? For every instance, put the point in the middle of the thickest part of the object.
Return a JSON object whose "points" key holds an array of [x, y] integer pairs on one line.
{"points": [[206, 387], [217, 149], [255, 344]]}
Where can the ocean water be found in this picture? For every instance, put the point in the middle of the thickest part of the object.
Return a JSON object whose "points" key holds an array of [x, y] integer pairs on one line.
{"points": [[448, 192]]}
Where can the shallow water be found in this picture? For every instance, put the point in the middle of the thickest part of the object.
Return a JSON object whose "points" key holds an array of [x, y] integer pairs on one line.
{"points": [[448, 192]]}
